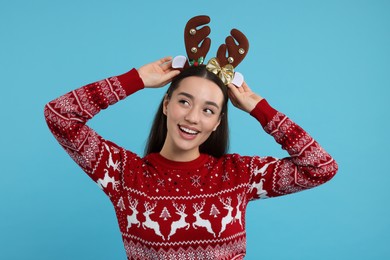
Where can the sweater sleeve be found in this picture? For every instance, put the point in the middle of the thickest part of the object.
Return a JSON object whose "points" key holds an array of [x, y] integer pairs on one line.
{"points": [[67, 116], [308, 165]]}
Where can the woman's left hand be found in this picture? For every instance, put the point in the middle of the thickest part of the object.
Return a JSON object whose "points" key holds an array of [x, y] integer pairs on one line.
{"points": [[243, 97]]}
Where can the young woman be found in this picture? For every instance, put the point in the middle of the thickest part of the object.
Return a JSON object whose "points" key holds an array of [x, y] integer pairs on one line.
{"points": [[186, 198]]}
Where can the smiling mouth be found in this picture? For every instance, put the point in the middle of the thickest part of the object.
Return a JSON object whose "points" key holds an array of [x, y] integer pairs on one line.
{"points": [[188, 131]]}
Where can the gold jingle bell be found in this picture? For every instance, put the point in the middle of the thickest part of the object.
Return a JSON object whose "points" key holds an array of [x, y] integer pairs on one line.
{"points": [[192, 31]]}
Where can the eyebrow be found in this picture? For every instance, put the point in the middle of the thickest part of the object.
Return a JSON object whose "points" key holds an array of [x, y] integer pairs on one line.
{"points": [[192, 98]]}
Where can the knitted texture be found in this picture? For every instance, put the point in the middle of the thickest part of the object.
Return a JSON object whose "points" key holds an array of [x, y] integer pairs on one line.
{"points": [[183, 210]]}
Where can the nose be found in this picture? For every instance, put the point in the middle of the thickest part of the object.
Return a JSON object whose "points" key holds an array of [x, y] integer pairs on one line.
{"points": [[192, 116]]}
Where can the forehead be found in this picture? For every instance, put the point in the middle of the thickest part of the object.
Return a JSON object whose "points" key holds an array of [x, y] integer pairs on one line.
{"points": [[201, 89]]}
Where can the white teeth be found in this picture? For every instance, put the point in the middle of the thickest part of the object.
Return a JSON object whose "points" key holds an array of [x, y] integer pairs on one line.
{"points": [[188, 131]]}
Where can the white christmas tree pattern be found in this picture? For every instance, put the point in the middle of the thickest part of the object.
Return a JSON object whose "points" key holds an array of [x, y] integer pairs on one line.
{"points": [[214, 211], [121, 204], [165, 214]]}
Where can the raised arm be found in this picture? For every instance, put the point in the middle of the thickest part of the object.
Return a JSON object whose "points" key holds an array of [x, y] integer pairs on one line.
{"points": [[309, 165], [67, 116]]}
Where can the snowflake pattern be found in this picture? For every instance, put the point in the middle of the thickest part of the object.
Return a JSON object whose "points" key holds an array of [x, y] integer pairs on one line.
{"points": [[195, 181], [65, 103], [160, 182], [208, 165], [225, 177]]}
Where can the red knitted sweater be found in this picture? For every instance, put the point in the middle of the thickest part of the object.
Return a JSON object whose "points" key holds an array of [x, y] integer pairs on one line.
{"points": [[183, 210]]}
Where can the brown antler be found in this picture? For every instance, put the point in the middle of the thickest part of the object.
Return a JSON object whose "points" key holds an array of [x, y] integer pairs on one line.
{"points": [[236, 53], [196, 41]]}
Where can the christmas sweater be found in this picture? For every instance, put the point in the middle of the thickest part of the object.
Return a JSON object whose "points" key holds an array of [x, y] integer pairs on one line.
{"points": [[183, 210]]}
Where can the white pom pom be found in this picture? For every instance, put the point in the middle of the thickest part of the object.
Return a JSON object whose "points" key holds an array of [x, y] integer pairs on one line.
{"points": [[238, 79], [178, 62]]}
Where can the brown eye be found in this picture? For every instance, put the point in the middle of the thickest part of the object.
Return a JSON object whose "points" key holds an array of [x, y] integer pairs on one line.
{"points": [[184, 102], [209, 111]]}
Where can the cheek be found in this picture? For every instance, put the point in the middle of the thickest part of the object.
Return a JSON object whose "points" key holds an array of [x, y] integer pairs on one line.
{"points": [[212, 124], [173, 113]]}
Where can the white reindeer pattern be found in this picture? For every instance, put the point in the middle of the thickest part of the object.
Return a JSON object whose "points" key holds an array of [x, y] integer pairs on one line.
{"points": [[261, 193], [199, 221], [132, 219], [238, 215], [103, 183], [150, 223], [110, 162], [228, 218], [181, 223], [263, 169]]}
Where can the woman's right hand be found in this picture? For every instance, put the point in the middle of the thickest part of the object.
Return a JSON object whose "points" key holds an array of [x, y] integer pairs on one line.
{"points": [[158, 74]]}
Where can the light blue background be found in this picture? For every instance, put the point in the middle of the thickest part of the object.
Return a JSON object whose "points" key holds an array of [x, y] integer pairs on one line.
{"points": [[323, 63]]}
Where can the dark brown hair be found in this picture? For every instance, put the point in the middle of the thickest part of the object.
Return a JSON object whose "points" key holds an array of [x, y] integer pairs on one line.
{"points": [[218, 142]]}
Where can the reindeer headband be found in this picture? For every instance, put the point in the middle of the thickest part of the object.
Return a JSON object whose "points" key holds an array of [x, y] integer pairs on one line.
{"points": [[198, 44]]}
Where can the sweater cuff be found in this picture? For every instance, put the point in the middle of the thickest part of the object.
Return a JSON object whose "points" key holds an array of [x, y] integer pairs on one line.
{"points": [[263, 112], [131, 82]]}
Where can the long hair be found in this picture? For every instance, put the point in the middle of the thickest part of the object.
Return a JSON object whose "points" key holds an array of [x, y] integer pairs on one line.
{"points": [[218, 142]]}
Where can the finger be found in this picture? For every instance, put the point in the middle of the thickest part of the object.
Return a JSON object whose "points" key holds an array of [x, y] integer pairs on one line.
{"points": [[246, 87], [170, 75], [234, 90], [164, 60], [239, 89], [232, 98], [231, 86], [167, 65]]}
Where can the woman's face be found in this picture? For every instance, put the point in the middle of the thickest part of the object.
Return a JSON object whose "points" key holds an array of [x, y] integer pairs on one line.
{"points": [[193, 113]]}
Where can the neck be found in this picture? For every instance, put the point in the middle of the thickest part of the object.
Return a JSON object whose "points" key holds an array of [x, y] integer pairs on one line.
{"points": [[179, 155]]}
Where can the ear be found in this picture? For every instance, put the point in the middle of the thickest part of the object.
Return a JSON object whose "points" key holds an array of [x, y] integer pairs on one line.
{"points": [[216, 126], [165, 104]]}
